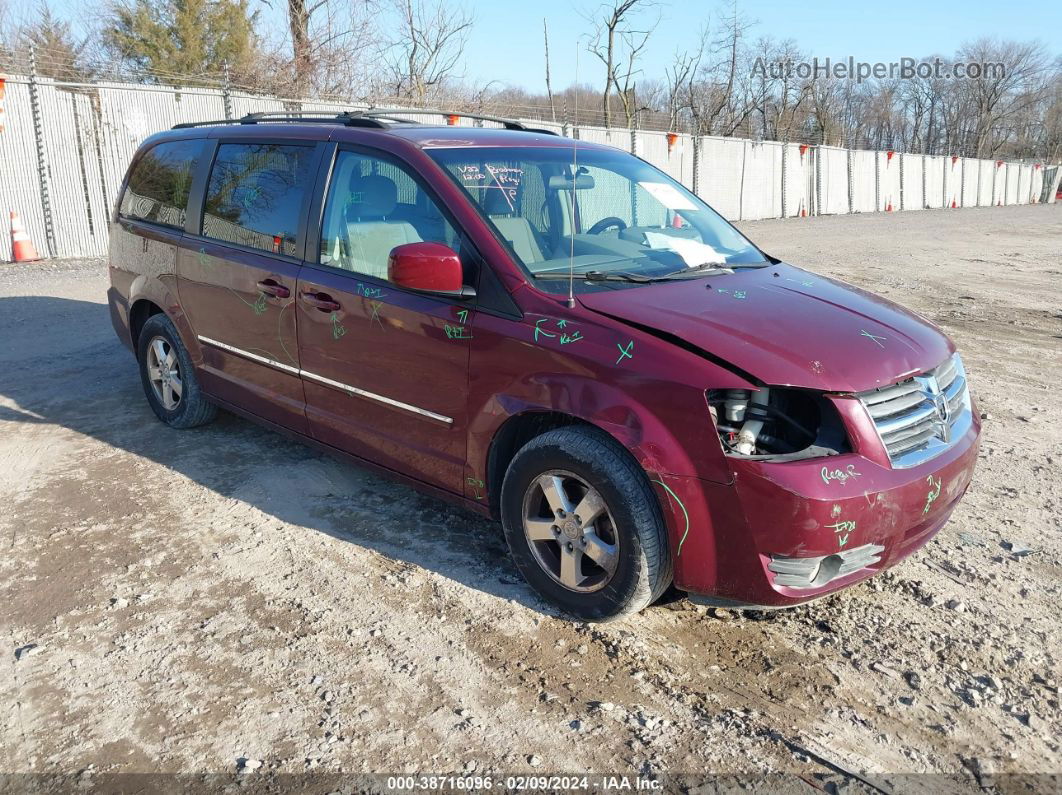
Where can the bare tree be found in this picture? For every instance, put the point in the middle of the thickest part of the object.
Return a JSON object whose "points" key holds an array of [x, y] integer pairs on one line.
{"points": [[1000, 96], [328, 51], [634, 43], [619, 42], [677, 77], [426, 48], [549, 86], [780, 97], [299, 26]]}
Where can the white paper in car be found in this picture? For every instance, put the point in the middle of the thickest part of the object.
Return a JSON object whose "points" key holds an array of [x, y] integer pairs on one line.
{"points": [[693, 252], [668, 195]]}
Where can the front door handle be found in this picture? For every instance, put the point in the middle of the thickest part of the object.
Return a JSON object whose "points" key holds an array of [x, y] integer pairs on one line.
{"points": [[322, 301], [271, 287]]}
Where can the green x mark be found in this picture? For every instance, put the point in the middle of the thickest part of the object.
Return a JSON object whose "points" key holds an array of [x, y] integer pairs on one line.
{"points": [[376, 312], [625, 352]]}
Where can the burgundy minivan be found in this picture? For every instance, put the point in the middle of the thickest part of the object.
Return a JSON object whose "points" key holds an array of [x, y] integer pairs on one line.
{"points": [[550, 332]]}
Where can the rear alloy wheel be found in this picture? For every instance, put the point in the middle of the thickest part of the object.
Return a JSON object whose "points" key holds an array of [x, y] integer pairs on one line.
{"points": [[168, 376], [164, 372], [583, 524]]}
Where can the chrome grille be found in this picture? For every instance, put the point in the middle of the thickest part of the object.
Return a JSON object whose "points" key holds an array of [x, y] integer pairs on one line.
{"points": [[918, 418]]}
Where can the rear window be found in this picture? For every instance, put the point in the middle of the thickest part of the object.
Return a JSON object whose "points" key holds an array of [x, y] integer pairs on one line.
{"points": [[157, 189], [255, 195]]}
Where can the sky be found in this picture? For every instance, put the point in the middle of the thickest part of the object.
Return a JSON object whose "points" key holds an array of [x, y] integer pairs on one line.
{"points": [[505, 44]]}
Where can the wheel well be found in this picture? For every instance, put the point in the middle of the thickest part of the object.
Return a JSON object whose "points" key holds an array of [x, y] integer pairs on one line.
{"points": [[514, 434], [138, 315]]}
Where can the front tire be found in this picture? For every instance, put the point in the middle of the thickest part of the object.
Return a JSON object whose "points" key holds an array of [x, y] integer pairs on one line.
{"points": [[583, 525], [168, 376]]}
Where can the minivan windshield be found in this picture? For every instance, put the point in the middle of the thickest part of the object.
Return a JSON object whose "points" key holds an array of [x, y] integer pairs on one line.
{"points": [[605, 214]]}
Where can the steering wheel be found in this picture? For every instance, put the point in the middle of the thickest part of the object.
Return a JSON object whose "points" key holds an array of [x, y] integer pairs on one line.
{"points": [[607, 223]]}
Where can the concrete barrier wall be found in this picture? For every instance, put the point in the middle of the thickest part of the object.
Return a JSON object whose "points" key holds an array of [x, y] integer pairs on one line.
{"points": [[831, 180], [799, 180], [889, 176], [913, 196], [864, 181]]}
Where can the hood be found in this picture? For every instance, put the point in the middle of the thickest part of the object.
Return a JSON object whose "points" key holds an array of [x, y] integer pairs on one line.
{"points": [[786, 327]]}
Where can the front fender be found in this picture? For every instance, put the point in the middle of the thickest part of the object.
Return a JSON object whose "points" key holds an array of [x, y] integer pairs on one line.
{"points": [[583, 398]]}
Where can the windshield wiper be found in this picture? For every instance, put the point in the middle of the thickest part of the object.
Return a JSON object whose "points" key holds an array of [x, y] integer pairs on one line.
{"points": [[710, 269], [601, 276]]}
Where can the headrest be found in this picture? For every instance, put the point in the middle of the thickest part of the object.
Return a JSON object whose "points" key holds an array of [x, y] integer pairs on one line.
{"points": [[372, 196], [497, 201]]}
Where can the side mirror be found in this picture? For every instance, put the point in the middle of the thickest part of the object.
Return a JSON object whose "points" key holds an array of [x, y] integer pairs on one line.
{"points": [[431, 267]]}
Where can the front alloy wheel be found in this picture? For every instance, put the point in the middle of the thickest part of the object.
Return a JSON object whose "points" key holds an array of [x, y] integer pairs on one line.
{"points": [[570, 531]]}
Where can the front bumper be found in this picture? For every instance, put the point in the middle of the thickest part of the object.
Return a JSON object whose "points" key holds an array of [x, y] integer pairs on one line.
{"points": [[749, 544]]}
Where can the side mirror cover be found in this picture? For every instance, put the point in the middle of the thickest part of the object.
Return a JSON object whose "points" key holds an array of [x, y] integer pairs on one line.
{"points": [[431, 267]]}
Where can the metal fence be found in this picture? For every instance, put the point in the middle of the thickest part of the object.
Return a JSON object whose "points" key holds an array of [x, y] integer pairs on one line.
{"points": [[66, 146]]}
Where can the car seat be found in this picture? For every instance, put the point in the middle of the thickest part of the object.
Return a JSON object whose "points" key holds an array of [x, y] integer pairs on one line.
{"points": [[501, 210], [371, 231]]}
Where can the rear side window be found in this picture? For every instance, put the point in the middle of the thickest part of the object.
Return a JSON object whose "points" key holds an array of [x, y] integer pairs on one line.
{"points": [[255, 195], [157, 190]]}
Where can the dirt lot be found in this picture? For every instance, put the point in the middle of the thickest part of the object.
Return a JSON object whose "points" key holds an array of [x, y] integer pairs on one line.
{"points": [[187, 601]]}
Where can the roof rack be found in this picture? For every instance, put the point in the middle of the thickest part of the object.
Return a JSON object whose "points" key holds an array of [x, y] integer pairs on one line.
{"points": [[376, 118], [348, 118], [508, 124]]}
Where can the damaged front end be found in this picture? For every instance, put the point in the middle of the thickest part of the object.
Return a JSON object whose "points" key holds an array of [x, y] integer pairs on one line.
{"points": [[776, 424], [833, 487]]}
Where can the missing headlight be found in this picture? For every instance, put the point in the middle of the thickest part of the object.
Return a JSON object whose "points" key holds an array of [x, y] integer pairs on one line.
{"points": [[776, 422]]}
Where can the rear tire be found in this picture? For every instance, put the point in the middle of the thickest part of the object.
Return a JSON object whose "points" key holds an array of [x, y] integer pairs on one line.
{"points": [[168, 377], [611, 561]]}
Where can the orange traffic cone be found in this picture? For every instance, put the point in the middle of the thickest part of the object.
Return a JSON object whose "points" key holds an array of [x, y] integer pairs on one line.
{"points": [[22, 249]]}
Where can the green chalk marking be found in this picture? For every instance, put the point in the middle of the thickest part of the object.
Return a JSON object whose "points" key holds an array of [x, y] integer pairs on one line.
{"points": [[686, 532], [874, 337], [541, 331], [476, 485], [337, 328], [625, 353], [931, 496], [457, 332]]}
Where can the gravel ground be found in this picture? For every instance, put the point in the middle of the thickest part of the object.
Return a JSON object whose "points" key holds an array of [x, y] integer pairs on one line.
{"points": [[210, 600]]}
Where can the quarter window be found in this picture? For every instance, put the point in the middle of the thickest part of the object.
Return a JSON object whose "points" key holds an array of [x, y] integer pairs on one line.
{"points": [[255, 195], [374, 205], [157, 190]]}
